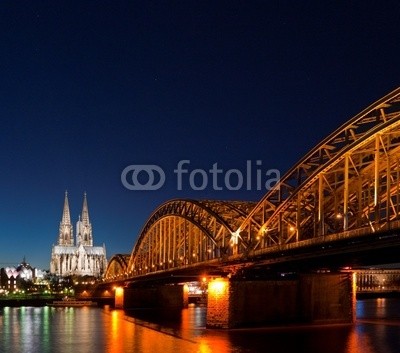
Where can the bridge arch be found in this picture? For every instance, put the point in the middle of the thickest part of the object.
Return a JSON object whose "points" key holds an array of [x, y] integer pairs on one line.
{"points": [[185, 232], [348, 183], [117, 266]]}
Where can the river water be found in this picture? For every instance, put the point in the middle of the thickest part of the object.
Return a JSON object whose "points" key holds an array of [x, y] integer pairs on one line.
{"points": [[88, 329]]}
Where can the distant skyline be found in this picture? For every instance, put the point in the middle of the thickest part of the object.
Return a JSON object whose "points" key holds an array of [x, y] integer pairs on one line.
{"points": [[90, 88]]}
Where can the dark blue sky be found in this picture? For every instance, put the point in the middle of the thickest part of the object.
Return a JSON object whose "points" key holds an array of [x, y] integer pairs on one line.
{"points": [[90, 87]]}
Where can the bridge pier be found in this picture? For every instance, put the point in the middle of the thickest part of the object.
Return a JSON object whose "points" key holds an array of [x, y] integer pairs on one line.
{"points": [[309, 299], [119, 298], [156, 296]]}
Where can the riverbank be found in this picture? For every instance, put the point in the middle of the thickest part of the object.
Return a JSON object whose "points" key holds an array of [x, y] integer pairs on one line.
{"points": [[380, 294], [16, 302]]}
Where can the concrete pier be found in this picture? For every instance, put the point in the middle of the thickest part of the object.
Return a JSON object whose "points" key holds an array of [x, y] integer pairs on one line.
{"points": [[309, 299], [156, 296]]}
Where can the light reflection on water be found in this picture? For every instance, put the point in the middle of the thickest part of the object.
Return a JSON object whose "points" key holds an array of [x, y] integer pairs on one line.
{"points": [[45, 329]]}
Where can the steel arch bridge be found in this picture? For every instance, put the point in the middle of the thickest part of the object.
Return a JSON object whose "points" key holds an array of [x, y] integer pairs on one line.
{"points": [[182, 233], [347, 186], [117, 265]]}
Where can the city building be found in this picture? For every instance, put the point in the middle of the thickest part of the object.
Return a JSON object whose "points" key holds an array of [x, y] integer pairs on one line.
{"points": [[8, 279], [13, 278], [377, 280], [77, 257]]}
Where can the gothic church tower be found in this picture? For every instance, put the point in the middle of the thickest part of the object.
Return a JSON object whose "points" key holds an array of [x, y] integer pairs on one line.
{"points": [[65, 235], [81, 258], [83, 226]]}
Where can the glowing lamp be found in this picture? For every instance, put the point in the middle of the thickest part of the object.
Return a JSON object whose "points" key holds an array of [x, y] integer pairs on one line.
{"points": [[217, 286]]}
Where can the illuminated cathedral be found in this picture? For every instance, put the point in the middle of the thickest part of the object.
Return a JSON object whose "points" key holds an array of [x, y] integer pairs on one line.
{"points": [[80, 257]]}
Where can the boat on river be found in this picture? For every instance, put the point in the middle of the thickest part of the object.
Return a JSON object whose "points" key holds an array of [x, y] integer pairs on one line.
{"points": [[72, 302]]}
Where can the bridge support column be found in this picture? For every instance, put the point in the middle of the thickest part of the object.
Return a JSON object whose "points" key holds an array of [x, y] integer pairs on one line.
{"points": [[308, 299], [219, 303], [156, 296], [327, 298], [119, 298]]}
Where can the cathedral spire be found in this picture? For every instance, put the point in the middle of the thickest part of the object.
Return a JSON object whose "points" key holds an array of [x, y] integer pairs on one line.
{"points": [[66, 217], [65, 235], [83, 226], [81, 258], [85, 211]]}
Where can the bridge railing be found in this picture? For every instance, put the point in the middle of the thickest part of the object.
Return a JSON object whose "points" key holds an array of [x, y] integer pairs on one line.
{"points": [[322, 240], [326, 239]]}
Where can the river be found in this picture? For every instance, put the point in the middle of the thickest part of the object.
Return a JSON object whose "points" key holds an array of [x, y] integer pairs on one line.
{"points": [[88, 329]]}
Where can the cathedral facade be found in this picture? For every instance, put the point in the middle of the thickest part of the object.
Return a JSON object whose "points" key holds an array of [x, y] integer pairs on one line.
{"points": [[77, 256]]}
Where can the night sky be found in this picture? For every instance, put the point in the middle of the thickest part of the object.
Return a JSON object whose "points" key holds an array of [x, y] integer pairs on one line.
{"points": [[88, 88]]}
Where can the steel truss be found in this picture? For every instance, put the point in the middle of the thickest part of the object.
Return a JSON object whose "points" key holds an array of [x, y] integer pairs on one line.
{"points": [[185, 232], [350, 181], [117, 266], [348, 185]]}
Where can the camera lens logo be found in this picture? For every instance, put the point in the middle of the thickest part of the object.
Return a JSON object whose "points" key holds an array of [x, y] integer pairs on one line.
{"points": [[130, 177]]}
